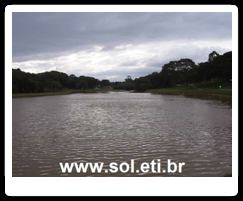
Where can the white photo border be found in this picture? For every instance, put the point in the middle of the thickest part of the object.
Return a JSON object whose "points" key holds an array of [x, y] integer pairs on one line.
{"points": [[133, 186]]}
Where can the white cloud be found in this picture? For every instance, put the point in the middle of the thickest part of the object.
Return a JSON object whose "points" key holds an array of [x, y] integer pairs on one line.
{"points": [[110, 63]]}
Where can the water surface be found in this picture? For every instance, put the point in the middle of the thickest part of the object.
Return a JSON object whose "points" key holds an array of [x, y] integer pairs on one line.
{"points": [[119, 126]]}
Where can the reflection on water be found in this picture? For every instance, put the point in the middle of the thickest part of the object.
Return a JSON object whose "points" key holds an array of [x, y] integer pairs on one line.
{"points": [[119, 126]]}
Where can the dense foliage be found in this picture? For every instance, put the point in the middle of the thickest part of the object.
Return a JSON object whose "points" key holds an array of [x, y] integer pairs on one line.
{"points": [[52, 81], [216, 71]]}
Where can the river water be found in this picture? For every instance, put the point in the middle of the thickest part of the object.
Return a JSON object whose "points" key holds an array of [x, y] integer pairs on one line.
{"points": [[118, 127]]}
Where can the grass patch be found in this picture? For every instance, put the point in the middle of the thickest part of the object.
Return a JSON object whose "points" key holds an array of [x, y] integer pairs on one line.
{"points": [[224, 94]]}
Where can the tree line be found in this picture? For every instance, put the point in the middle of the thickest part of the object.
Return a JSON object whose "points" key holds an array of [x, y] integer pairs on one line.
{"points": [[214, 72], [217, 71], [52, 81]]}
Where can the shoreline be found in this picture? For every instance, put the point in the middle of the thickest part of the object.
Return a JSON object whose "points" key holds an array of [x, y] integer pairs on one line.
{"points": [[224, 95], [57, 93]]}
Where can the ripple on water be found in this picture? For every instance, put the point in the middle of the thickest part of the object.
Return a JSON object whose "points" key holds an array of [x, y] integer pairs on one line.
{"points": [[119, 127]]}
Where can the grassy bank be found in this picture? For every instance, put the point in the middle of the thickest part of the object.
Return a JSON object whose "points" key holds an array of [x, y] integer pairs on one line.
{"points": [[223, 94], [64, 92]]}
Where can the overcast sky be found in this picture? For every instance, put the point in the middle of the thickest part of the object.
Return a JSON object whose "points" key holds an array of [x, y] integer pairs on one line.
{"points": [[114, 45]]}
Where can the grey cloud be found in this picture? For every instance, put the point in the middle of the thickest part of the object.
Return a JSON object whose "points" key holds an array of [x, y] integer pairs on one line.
{"points": [[40, 35]]}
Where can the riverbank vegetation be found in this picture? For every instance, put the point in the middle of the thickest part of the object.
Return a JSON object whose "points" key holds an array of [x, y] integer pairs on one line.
{"points": [[54, 81], [214, 73], [222, 94], [211, 79]]}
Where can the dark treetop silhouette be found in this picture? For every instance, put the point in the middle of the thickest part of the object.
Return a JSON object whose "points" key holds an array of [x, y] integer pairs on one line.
{"points": [[214, 72]]}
